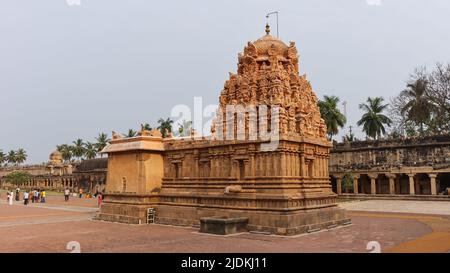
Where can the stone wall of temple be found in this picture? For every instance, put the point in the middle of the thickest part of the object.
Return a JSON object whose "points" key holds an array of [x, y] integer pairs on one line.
{"points": [[89, 175], [416, 166]]}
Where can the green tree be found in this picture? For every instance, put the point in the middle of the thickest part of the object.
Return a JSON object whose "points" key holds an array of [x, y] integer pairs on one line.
{"points": [[3, 158], [333, 118], [78, 149], [90, 151], [131, 133], [373, 119], [350, 136], [66, 152], [17, 178], [146, 126], [418, 107], [102, 141], [21, 156], [165, 126], [347, 182], [11, 157], [184, 128]]}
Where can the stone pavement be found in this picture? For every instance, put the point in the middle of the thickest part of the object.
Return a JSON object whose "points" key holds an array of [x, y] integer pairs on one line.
{"points": [[49, 228], [401, 206]]}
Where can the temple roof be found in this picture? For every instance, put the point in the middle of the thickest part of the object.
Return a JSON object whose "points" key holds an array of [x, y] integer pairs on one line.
{"points": [[267, 42], [89, 165]]}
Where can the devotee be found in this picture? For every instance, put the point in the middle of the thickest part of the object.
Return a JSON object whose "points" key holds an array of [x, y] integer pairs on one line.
{"points": [[25, 198], [11, 196], [43, 196], [36, 196], [66, 194], [18, 194], [99, 199]]}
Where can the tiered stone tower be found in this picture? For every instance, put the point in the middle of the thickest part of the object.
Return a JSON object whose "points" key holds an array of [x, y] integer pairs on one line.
{"points": [[282, 190], [268, 74], [285, 190]]}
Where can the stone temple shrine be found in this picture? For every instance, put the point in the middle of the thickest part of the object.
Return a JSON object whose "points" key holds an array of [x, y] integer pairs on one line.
{"points": [[283, 188]]}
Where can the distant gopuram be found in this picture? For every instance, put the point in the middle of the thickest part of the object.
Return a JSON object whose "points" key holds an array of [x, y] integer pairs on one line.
{"points": [[266, 160]]}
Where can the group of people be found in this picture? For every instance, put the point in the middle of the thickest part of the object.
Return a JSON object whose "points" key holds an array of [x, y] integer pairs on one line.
{"points": [[35, 195], [38, 196]]}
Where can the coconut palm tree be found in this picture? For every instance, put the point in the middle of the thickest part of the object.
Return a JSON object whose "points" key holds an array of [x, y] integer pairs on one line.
{"points": [[11, 157], [66, 152], [146, 126], [21, 156], [373, 121], [3, 158], [418, 107], [102, 141], [333, 118], [131, 133], [165, 126], [90, 151], [184, 128], [78, 149]]}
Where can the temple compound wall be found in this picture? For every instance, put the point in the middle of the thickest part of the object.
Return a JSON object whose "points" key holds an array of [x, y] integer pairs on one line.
{"points": [[280, 183], [419, 166]]}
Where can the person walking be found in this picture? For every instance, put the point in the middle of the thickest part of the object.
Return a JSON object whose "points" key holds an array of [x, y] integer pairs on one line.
{"points": [[99, 199], [25, 198], [32, 195], [36, 196], [43, 196], [17, 194], [66, 194], [11, 197]]}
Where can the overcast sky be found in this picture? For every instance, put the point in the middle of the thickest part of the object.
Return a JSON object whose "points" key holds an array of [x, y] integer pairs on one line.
{"points": [[70, 72]]}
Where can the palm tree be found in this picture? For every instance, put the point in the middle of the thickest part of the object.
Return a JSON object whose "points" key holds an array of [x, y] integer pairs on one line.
{"points": [[11, 157], [21, 156], [146, 126], [102, 141], [333, 118], [78, 149], [3, 158], [131, 133], [66, 152], [90, 150], [350, 137], [184, 128], [417, 108], [165, 126], [373, 120]]}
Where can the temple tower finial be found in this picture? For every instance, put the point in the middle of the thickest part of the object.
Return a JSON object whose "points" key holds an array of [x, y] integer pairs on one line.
{"points": [[267, 28]]}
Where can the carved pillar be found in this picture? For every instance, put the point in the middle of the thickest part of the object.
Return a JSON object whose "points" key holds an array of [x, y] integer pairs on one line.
{"points": [[283, 164], [391, 182], [373, 189], [338, 184], [432, 177], [355, 184], [411, 184], [302, 166], [397, 185]]}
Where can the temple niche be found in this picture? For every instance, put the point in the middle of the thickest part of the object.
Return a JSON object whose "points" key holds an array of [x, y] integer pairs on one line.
{"points": [[283, 190]]}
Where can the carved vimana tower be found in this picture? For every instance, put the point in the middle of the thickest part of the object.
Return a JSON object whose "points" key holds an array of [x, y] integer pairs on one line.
{"points": [[266, 161], [281, 183]]}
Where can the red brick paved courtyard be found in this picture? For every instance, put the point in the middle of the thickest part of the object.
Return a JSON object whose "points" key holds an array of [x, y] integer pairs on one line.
{"points": [[49, 227]]}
